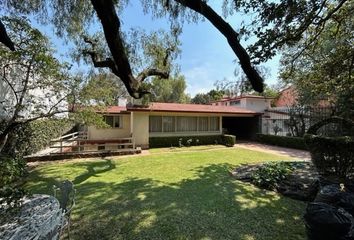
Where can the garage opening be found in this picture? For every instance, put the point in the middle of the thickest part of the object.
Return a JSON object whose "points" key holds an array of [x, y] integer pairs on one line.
{"points": [[244, 128]]}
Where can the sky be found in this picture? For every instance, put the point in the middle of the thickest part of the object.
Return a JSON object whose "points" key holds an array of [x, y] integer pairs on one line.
{"points": [[206, 56]]}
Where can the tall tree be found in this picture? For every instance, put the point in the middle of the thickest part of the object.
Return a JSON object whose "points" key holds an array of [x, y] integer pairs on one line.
{"points": [[206, 98], [240, 85], [102, 89], [275, 24], [324, 70], [169, 90], [33, 83]]}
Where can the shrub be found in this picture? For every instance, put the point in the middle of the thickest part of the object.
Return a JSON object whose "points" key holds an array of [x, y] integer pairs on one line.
{"points": [[270, 174], [156, 142], [282, 141], [12, 170], [229, 140], [332, 156]]}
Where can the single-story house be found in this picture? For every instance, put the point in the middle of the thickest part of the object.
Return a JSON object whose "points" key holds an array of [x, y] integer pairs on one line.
{"points": [[161, 120]]}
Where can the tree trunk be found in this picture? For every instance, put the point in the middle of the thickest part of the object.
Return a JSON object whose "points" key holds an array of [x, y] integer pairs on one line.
{"points": [[5, 133], [119, 65]]}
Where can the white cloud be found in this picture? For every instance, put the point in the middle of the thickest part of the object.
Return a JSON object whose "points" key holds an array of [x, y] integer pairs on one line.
{"points": [[200, 79]]}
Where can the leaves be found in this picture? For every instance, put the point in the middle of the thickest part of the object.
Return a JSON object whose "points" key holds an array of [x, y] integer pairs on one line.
{"points": [[324, 70], [270, 174]]}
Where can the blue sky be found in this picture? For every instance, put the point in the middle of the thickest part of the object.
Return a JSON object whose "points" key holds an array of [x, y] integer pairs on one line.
{"points": [[206, 56]]}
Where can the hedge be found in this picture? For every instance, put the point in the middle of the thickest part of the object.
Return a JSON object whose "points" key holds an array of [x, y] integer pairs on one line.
{"points": [[332, 156], [282, 141], [156, 142], [36, 135]]}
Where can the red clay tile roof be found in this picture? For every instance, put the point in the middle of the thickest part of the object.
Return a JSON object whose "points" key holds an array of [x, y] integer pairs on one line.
{"points": [[114, 109], [191, 108]]}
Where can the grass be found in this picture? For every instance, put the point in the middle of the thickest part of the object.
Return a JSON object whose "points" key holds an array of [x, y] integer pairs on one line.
{"points": [[182, 195]]}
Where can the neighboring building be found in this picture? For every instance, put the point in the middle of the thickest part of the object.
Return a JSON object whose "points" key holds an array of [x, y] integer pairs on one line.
{"points": [[251, 102], [277, 120], [287, 97], [173, 119]]}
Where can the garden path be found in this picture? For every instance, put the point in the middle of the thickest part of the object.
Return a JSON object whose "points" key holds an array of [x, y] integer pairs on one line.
{"points": [[295, 153]]}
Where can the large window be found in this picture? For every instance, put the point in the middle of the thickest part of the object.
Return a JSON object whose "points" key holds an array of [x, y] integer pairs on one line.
{"points": [[168, 124], [183, 124], [113, 121], [214, 124], [155, 124], [187, 124], [203, 124]]}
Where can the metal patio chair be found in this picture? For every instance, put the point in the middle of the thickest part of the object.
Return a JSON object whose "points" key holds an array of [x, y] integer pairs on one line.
{"points": [[65, 193]]}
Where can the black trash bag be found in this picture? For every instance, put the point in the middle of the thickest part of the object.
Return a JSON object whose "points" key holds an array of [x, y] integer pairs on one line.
{"points": [[346, 201], [329, 194], [324, 181], [349, 186], [324, 221]]}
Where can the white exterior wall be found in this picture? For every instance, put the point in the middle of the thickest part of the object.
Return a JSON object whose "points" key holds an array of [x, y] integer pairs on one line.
{"points": [[271, 120], [136, 125], [140, 129], [94, 133], [256, 104], [243, 103]]}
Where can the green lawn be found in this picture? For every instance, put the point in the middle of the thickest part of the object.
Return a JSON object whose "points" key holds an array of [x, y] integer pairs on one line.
{"points": [[179, 195]]}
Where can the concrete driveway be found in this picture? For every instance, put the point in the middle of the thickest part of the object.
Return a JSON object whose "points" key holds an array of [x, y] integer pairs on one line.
{"points": [[295, 153]]}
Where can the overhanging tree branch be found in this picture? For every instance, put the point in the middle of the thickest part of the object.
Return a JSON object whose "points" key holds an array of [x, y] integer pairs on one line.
{"points": [[120, 64], [231, 35], [9, 83], [151, 72], [4, 38]]}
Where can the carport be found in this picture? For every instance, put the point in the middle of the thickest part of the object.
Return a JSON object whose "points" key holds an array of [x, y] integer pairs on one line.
{"points": [[243, 127]]}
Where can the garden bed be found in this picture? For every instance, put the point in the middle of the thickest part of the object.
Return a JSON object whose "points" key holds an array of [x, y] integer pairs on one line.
{"points": [[301, 182]]}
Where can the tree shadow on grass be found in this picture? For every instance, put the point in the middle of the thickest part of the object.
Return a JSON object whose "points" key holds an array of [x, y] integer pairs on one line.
{"points": [[210, 205], [42, 184]]}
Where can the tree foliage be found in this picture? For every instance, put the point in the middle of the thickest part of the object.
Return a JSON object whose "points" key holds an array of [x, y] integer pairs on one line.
{"points": [[324, 70], [240, 85], [273, 25], [170, 90], [206, 98], [34, 84], [101, 89]]}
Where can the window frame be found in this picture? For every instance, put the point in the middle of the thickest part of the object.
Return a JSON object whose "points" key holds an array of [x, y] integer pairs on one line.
{"points": [[120, 117], [176, 128]]}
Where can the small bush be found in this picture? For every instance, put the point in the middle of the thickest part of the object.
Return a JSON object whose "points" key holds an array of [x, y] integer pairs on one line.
{"points": [[229, 140], [282, 141], [269, 175]]}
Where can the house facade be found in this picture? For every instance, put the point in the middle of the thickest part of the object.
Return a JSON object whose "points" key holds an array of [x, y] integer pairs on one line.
{"points": [[140, 123], [250, 102]]}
